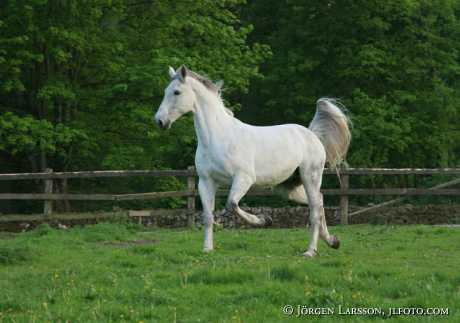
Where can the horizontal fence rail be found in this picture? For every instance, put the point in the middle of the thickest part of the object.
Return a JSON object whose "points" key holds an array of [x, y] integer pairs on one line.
{"points": [[344, 191], [190, 172], [156, 195], [98, 174], [395, 171]]}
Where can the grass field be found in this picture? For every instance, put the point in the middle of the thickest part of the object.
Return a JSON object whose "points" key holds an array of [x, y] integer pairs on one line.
{"points": [[119, 272]]}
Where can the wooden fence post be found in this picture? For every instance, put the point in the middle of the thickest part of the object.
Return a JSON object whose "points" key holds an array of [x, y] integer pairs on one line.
{"points": [[48, 205], [344, 185], [191, 198]]}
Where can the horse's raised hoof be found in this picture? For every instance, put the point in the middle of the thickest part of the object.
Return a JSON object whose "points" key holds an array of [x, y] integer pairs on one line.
{"points": [[268, 221], [310, 254], [334, 243], [262, 221]]}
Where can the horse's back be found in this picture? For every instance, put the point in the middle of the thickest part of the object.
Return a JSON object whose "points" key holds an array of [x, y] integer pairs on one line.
{"points": [[280, 150], [289, 138]]}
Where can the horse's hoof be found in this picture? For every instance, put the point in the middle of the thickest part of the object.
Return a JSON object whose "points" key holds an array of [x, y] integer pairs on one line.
{"points": [[208, 250], [310, 254], [334, 243]]}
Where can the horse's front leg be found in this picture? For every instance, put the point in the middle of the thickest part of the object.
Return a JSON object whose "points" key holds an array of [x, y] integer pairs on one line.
{"points": [[207, 189], [240, 186]]}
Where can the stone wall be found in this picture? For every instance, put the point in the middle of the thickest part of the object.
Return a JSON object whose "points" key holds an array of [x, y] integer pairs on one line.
{"points": [[412, 214], [287, 217]]}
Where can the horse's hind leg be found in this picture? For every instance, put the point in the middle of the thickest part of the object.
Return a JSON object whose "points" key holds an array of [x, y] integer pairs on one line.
{"points": [[331, 240], [240, 186], [312, 183]]}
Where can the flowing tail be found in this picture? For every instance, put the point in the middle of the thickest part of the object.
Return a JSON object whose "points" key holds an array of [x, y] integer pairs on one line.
{"points": [[332, 127]]}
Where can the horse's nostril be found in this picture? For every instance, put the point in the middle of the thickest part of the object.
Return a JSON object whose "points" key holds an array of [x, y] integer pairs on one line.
{"points": [[160, 123]]}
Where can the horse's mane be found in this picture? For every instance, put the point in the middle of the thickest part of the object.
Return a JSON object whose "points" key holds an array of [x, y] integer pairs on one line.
{"points": [[215, 88], [210, 85]]}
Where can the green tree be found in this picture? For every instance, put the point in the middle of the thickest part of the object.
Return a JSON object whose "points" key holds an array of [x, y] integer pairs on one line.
{"points": [[395, 64], [90, 73], [80, 80]]}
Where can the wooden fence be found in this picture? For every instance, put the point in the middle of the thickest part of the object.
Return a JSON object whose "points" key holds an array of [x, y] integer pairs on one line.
{"points": [[344, 191]]}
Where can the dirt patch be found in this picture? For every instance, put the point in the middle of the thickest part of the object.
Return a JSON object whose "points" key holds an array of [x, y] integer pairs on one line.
{"points": [[128, 243]]}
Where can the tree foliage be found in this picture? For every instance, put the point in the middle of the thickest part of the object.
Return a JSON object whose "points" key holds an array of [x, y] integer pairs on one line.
{"points": [[80, 79], [395, 64]]}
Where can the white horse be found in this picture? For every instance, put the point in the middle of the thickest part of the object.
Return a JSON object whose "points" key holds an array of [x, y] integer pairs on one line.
{"points": [[232, 152]]}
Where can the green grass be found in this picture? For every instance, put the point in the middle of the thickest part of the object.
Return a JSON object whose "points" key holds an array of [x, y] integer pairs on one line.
{"points": [[85, 275]]}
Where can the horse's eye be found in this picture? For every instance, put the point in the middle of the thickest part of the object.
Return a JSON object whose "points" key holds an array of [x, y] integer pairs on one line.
{"points": [[176, 92]]}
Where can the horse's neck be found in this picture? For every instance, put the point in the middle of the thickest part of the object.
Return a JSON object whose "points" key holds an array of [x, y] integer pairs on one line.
{"points": [[211, 120]]}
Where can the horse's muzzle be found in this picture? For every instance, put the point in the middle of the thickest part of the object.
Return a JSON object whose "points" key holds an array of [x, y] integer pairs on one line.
{"points": [[162, 124]]}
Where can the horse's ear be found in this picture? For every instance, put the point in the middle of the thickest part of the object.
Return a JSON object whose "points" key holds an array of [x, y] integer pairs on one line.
{"points": [[172, 72], [182, 73]]}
